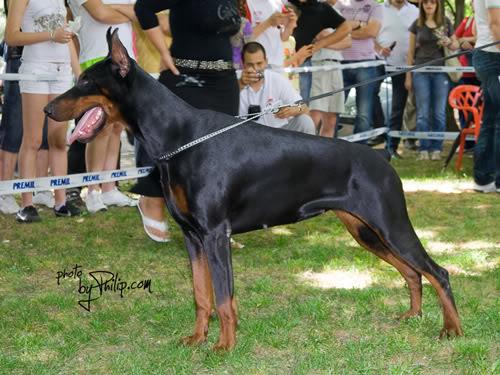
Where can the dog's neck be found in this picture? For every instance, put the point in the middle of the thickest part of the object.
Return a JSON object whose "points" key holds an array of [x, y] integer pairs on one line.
{"points": [[163, 121]]}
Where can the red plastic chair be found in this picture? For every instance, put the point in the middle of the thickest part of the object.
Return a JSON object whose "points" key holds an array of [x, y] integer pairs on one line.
{"points": [[468, 100]]}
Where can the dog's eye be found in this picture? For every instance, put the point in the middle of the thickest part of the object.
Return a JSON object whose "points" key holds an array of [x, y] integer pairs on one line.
{"points": [[83, 82]]}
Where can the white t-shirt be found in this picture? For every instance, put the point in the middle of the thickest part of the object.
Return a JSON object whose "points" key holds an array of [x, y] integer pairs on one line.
{"points": [[92, 35], [260, 10], [276, 90], [42, 16], [484, 35], [395, 29]]}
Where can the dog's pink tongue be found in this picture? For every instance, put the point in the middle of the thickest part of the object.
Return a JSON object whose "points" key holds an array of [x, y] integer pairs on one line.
{"points": [[84, 127]]}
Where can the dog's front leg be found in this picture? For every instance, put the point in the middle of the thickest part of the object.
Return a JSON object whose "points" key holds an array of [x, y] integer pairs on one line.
{"points": [[217, 247], [203, 291]]}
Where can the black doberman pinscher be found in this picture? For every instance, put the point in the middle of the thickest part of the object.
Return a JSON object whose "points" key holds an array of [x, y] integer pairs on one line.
{"points": [[248, 178]]}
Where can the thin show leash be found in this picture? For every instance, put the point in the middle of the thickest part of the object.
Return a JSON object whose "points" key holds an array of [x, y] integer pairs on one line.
{"points": [[169, 155]]}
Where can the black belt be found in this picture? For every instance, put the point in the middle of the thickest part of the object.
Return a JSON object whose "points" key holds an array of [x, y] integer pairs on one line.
{"points": [[217, 65], [329, 60]]}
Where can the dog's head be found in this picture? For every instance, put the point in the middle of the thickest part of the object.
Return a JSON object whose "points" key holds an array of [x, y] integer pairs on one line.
{"points": [[98, 95]]}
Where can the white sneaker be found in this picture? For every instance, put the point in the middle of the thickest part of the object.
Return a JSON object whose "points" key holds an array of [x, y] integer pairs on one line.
{"points": [[94, 202], [489, 188], [436, 155], [116, 198], [423, 155], [44, 197], [8, 204]]}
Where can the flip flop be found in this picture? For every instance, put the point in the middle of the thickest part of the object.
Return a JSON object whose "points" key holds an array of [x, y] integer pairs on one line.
{"points": [[155, 224]]}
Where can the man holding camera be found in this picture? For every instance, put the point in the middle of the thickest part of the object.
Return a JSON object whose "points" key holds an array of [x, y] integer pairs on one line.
{"points": [[261, 89]]}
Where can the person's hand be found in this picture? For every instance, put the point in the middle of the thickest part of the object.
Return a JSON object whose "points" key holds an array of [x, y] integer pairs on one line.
{"points": [[277, 19], [408, 82], [466, 45], [355, 25], [61, 35], [167, 63], [292, 19], [287, 112], [304, 52], [385, 51], [445, 41], [249, 76]]}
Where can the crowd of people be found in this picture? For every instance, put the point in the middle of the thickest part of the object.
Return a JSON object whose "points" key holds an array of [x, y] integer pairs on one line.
{"points": [[197, 49]]}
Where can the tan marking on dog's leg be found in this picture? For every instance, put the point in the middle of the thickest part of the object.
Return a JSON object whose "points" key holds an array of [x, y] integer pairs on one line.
{"points": [[228, 319], [451, 321], [203, 296]]}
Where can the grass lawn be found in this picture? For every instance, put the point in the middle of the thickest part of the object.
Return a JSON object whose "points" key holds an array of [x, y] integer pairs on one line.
{"points": [[311, 301]]}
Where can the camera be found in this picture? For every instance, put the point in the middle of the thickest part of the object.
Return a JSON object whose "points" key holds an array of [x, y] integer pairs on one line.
{"points": [[254, 108]]}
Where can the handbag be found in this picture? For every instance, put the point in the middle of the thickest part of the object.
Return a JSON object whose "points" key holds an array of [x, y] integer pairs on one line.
{"points": [[453, 62]]}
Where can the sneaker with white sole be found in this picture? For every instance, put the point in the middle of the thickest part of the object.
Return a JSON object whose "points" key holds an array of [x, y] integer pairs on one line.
{"points": [[436, 155], [116, 198], [8, 204], [423, 155], [94, 202], [27, 214], [66, 210], [488, 188], [44, 198]]}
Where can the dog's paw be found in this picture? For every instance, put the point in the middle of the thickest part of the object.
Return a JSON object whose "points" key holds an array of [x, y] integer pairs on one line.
{"points": [[450, 332], [194, 340], [224, 346], [410, 314]]}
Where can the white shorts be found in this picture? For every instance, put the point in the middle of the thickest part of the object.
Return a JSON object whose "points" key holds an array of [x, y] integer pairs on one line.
{"points": [[61, 70], [326, 81]]}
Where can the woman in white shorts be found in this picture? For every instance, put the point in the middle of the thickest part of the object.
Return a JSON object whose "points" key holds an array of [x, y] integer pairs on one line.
{"points": [[48, 50]]}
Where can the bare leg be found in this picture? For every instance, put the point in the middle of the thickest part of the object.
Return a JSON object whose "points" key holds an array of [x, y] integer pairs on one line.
{"points": [[328, 129], [94, 154], [8, 165], [33, 118], [42, 163], [112, 153], [154, 208], [58, 154]]}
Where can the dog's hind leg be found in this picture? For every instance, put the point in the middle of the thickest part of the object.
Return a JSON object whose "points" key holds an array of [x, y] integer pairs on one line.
{"points": [[369, 240], [403, 242], [217, 248], [392, 226], [202, 287]]}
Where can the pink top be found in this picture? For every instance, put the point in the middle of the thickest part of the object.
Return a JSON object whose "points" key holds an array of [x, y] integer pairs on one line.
{"points": [[364, 11]]}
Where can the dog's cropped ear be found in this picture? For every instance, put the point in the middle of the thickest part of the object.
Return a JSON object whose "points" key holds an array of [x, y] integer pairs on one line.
{"points": [[118, 53]]}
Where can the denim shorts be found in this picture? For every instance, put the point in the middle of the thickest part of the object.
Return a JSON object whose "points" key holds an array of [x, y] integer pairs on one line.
{"points": [[11, 125], [62, 70]]}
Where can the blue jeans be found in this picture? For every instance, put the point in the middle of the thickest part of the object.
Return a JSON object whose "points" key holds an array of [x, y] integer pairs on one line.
{"points": [[487, 150], [364, 95], [305, 82], [431, 95]]}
